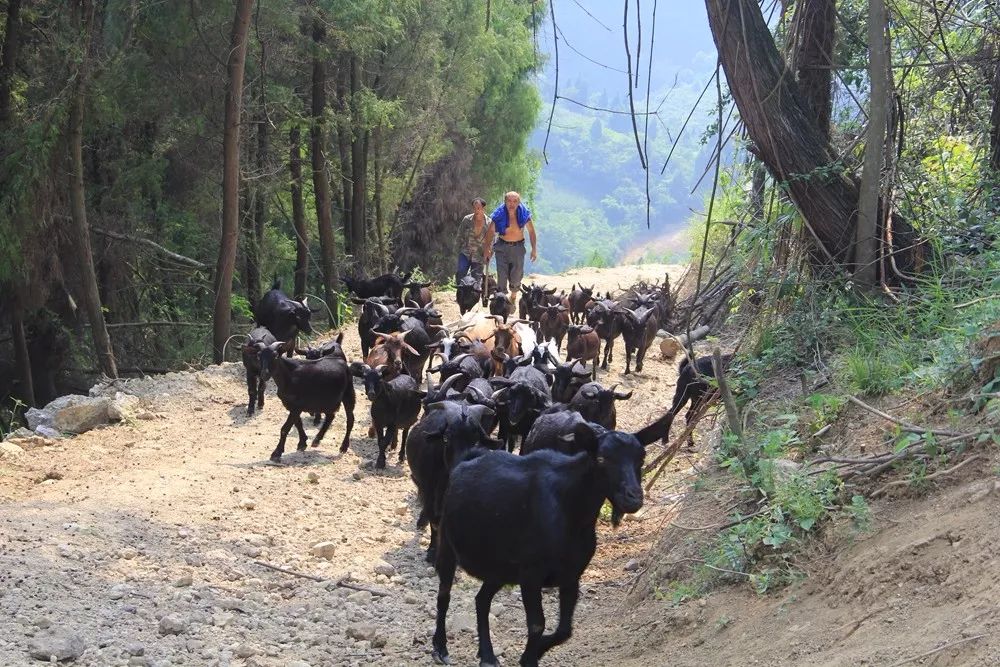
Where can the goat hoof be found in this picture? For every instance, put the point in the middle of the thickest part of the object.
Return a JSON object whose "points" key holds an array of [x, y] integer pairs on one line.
{"points": [[315, 443], [343, 448], [440, 658], [485, 663], [431, 556], [275, 458], [380, 463]]}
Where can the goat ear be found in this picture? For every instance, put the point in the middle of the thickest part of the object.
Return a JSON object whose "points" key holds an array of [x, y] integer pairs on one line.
{"points": [[658, 430], [340, 338], [411, 350], [585, 438], [358, 369]]}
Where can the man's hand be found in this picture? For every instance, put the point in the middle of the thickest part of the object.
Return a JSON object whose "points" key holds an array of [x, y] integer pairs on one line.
{"points": [[487, 256], [534, 255]]}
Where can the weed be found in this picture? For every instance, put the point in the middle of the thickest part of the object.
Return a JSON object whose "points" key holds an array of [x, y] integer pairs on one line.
{"points": [[860, 513]]}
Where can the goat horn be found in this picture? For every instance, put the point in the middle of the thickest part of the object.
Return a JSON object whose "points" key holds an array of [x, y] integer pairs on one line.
{"points": [[430, 381], [446, 385], [622, 395], [410, 350]]}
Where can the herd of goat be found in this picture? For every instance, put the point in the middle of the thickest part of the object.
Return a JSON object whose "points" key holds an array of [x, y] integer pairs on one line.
{"points": [[527, 519]]}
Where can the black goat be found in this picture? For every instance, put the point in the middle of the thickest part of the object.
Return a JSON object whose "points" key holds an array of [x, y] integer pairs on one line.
{"points": [[284, 317], [568, 378], [496, 536], [501, 305], [549, 428], [468, 292], [371, 310], [332, 348], [523, 396], [257, 340], [389, 284], [606, 319], [395, 405], [441, 437], [309, 386], [465, 366], [597, 404], [692, 386], [639, 328]]}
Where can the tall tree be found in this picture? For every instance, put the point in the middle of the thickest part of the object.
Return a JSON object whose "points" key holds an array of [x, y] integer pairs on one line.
{"points": [[359, 167], [866, 252], [298, 210], [815, 23], [784, 135], [235, 65], [258, 193], [84, 20], [344, 149], [321, 179], [995, 115]]}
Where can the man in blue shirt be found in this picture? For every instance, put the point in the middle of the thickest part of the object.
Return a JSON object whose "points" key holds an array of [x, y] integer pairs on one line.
{"points": [[509, 221]]}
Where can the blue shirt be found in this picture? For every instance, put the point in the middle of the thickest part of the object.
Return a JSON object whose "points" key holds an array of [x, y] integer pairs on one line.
{"points": [[499, 217]]}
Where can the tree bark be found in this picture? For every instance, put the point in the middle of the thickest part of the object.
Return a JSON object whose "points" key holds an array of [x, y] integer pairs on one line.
{"points": [[866, 253], [321, 179], [359, 167], [230, 177], [11, 43], [787, 140], [259, 212], [298, 211], [995, 115], [815, 34], [379, 217], [21, 357], [77, 195], [344, 150]]}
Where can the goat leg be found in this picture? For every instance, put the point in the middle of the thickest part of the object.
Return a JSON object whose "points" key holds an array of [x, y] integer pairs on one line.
{"points": [[302, 433], [326, 424], [568, 595], [531, 595], [402, 443], [251, 386], [487, 658], [383, 441], [446, 577], [285, 428], [349, 410]]}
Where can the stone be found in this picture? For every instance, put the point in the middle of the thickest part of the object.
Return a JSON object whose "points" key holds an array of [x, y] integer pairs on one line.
{"points": [[632, 565], [8, 450], [244, 651], [39, 417], [48, 433], [20, 433], [360, 597], [384, 568], [357, 475], [123, 406], [146, 415], [324, 550], [402, 509], [128, 553], [77, 414], [62, 647], [184, 580], [312, 477], [173, 624], [411, 598], [362, 631], [248, 503], [118, 591], [135, 648], [462, 622], [256, 540]]}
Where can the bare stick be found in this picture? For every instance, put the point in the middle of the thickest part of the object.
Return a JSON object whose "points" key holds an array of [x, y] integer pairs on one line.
{"points": [[555, 92], [151, 244], [342, 582], [912, 428], [732, 414], [939, 473], [975, 301], [631, 99], [937, 650]]}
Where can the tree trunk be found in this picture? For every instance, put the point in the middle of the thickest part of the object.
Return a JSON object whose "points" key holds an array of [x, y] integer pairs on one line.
{"points": [[259, 213], [758, 176], [995, 116], [11, 42], [379, 217], [321, 180], [298, 211], [21, 357], [866, 253], [787, 140], [815, 34], [78, 199], [230, 178], [359, 167], [344, 149]]}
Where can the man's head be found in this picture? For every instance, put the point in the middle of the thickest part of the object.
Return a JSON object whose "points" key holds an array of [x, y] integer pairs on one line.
{"points": [[478, 204], [511, 200]]}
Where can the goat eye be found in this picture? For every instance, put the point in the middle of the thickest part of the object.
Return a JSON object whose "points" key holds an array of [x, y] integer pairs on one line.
{"points": [[600, 460]]}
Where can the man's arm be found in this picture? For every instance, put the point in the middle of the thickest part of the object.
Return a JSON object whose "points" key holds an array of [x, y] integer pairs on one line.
{"points": [[534, 242], [488, 241]]}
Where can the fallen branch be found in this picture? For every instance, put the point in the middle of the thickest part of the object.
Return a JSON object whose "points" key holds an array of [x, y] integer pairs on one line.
{"points": [[343, 582], [906, 426], [975, 301], [937, 650], [152, 244], [939, 473], [732, 414]]}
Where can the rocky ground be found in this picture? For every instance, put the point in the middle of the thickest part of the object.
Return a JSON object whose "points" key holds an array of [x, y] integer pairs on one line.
{"points": [[142, 543]]}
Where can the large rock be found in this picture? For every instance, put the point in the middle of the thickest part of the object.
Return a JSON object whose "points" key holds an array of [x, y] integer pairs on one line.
{"points": [[8, 450], [62, 647], [72, 414], [124, 406]]}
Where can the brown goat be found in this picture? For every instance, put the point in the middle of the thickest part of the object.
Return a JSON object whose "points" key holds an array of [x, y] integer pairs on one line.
{"points": [[584, 344], [554, 324]]}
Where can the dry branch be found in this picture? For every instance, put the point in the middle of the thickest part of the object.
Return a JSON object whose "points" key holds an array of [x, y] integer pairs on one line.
{"points": [[912, 428], [342, 582]]}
